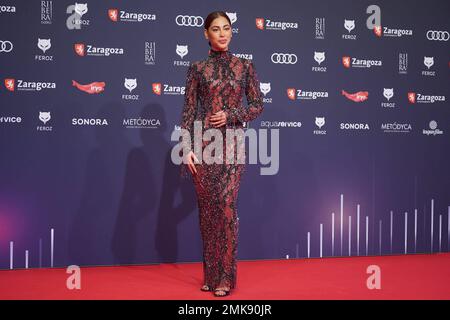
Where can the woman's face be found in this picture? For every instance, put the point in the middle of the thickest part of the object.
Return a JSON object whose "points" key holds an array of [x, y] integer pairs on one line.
{"points": [[219, 34]]}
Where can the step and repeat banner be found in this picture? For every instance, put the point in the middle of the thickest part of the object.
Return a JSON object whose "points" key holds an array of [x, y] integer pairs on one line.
{"points": [[90, 94]]}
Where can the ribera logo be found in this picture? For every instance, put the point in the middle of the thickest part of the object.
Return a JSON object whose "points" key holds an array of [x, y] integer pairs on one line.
{"points": [[89, 122], [433, 129], [83, 50], [320, 28], [380, 31], [402, 63], [352, 62], [46, 12], [414, 97], [22, 85], [116, 15], [160, 89], [359, 96], [91, 88], [268, 24], [300, 94], [149, 53], [354, 126]]}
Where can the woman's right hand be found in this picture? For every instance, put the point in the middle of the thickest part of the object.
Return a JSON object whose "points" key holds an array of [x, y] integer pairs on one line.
{"points": [[191, 160]]}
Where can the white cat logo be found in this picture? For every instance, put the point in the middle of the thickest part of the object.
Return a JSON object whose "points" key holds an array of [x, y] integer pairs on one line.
{"points": [[388, 93], [44, 116], [232, 16], [264, 87], [320, 121], [44, 44], [319, 57], [349, 25], [182, 50], [428, 62], [81, 8], [130, 84]]}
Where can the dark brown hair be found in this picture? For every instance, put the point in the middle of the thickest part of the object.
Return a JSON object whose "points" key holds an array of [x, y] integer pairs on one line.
{"points": [[213, 15]]}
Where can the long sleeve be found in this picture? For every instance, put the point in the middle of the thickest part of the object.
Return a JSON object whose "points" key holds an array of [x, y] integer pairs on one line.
{"points": [[190, 102], [254, 99]]}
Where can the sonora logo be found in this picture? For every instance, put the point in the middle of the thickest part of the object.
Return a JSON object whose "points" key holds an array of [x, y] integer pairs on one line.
{"points": [[438, 35], [284, 58], [189, 21], [6, 46]]}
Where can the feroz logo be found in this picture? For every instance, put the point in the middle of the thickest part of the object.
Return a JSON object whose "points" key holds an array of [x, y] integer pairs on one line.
{"points": [[44, 44]]}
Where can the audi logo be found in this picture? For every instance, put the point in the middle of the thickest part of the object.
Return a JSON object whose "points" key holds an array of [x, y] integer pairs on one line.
{"points": [[438, 35], [6, 46], [286, 58], [189, 21]]}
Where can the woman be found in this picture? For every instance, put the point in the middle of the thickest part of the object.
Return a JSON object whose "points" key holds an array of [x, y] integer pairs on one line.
{"points": [[213, 95]]}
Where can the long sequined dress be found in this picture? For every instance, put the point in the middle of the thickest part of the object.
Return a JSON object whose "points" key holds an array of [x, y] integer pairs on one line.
{"points": [[219, 83]]}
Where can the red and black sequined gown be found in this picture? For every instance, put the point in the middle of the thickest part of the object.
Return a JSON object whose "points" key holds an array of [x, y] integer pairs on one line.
{"points": [[213, 84]]}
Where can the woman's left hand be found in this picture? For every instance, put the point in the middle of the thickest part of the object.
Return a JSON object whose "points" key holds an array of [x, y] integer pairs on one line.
{"points": [[218, 119]]}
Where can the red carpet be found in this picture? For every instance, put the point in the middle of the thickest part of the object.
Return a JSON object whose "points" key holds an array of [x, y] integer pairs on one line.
{"points": [[402, 277]]}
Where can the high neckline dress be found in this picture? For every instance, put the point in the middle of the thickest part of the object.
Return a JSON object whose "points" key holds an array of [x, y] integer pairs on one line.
{"points": [[219, 82]]}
